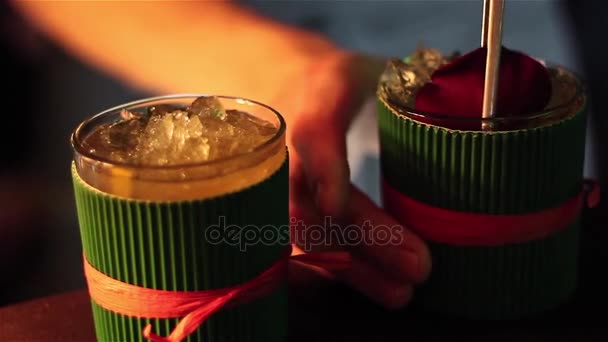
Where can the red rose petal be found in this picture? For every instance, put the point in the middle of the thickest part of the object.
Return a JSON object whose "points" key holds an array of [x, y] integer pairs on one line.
{"points": [[456, 89]]}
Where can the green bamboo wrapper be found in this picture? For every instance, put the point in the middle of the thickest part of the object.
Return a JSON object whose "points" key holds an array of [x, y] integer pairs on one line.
{"points": [[508, 172], [161, 245]]}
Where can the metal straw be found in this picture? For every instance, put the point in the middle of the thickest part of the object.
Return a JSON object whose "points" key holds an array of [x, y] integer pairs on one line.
{"points": [[492, 32], [484, 23]]}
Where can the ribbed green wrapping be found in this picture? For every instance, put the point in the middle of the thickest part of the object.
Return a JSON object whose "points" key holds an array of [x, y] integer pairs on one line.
{"points": [[509, 281], [161, 245], [495, 173]]}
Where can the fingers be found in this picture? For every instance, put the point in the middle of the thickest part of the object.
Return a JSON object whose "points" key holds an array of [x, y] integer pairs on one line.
{"points": [[386, 273], [382, 241], [318, 132], [374, 284], [303, 212], [362, 277], [319, 139], [405, 257], [335, 88], [323, 161], [301, 202]]}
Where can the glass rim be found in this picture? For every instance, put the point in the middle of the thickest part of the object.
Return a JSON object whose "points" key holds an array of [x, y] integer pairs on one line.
{"points": [[76, 139], [546, 112]]}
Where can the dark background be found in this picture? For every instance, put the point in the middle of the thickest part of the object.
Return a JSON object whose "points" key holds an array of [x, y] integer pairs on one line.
{"points": [[47, 92]]}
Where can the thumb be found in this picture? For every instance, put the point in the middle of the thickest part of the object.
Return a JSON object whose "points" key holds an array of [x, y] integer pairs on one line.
{"points": [[334, 89], [320, 145], [319, 132]]}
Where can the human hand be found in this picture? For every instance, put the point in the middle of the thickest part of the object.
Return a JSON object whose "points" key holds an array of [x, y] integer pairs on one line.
{"points": [[318, 110]]}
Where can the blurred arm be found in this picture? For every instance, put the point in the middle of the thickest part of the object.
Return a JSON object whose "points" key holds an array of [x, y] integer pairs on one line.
{"points": [[181, 46]]}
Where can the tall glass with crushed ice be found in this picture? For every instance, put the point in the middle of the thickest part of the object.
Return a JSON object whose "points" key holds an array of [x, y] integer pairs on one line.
{"points": [[182, 193]]}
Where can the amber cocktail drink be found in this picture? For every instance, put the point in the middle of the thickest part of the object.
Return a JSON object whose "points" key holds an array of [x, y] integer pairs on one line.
{"points": [[152, 177]]}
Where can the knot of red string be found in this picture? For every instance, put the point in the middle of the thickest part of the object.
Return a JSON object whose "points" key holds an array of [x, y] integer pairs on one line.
{"points": [[194, 307]]}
